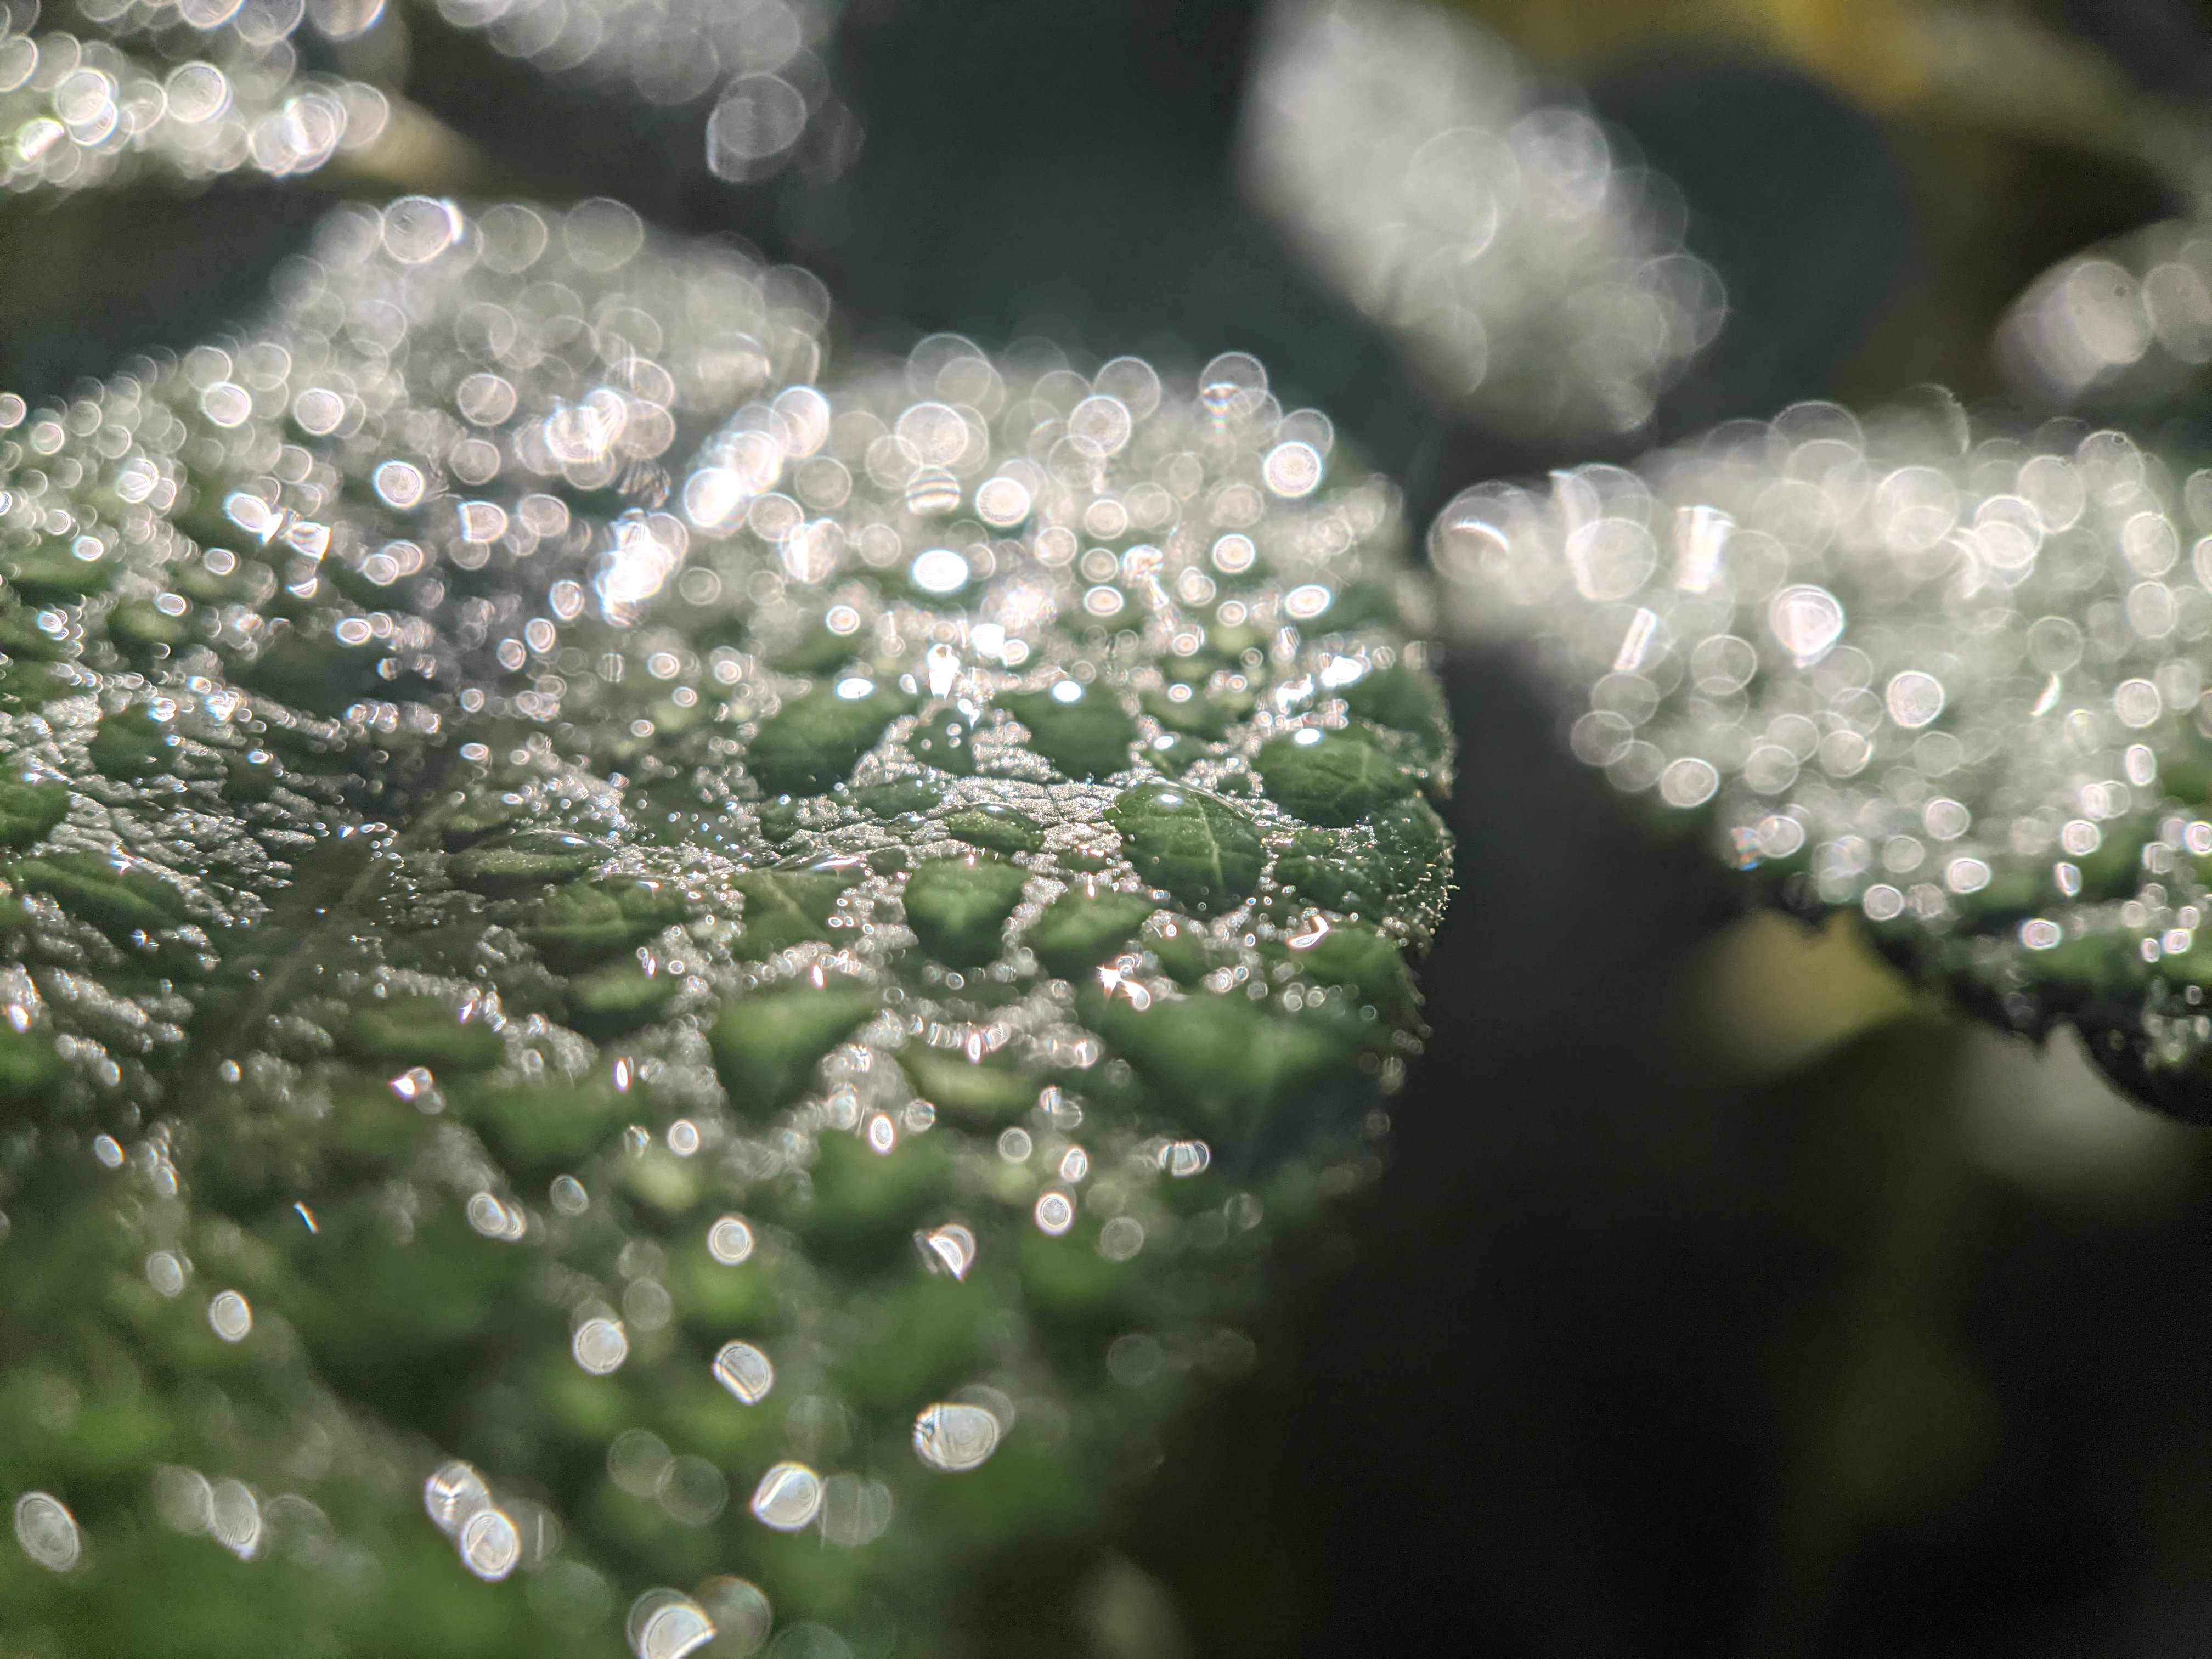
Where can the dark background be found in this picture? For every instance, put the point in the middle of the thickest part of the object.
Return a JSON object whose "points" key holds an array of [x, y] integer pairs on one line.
{"points": [[1721, 1297]]}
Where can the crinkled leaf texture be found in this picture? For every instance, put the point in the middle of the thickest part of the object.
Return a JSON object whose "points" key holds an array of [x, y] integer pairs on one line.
{"points": [[547, 984], [1948, 677]]}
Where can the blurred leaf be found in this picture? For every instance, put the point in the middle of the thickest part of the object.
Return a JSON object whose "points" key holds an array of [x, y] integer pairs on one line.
{"points": [[1938, 672]]}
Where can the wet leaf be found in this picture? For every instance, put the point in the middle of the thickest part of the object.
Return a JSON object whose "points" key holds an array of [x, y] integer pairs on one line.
{"points": [[813, 740], [468, 994], [959, 907], [1331, 777], [1198, 847], [1942, 674], [1086, 736]]}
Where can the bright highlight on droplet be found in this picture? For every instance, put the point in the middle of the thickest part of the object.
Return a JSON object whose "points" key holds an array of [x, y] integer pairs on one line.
{"points": [[746, 1371], [1054, 1213], [954, 1437], [230, 1317], [600, 1346], [947, 1249], [48, 1532], [399, 483], [1292, 469], [939, 571], [730, 1239], [1914, 699], [789, 1497], [1806, 620], [490, 1546], [666, 1624], [1002, 502]]}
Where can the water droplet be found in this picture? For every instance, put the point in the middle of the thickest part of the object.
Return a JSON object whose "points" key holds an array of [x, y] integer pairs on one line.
{"points": [[954, 1437], [730, 1239], [494, 1218], [739, 1610], [746, 1371], [230, 1317], [666, 1624], [789, 1496], [1689, 782], [1806, 620], [420, 228], [1914, 699], [1121, 1238], [600, 1346], [453, 1493], [855, 1511], [1054, 1213], [1292, 471], [48, 1532], [939, 571], [948, 1250], [234, 1518], [1002, 502], [752, 131], [692, 1490], [1185, 1158], [490, 1546]]}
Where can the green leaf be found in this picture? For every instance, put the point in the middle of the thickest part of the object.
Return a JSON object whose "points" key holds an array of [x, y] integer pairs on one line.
{"points": [[1086, 735], [404, 1031], [766, 1047], [1939, 675], [946, 741], [986, 1093], [118, 899], [586, 922], [813, 740], [30, 808], [1331, 777], [995, 828], [1084, 927], [469, 993], [958, 907], [1196, 845], [785, 908]]}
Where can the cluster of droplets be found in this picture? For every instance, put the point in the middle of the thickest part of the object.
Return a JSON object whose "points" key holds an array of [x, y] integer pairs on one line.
{"points": [[757, 59], [197, 88], [830, 949], [1534, 277], [2127, 326], [1948, 677]]}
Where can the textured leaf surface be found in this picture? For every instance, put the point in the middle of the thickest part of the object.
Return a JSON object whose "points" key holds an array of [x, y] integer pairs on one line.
{"points": [[1947, 676], [502, 1019]]}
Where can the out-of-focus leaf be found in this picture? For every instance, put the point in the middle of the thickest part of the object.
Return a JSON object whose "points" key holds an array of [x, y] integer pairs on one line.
{"points": [[1949, 675], [1529, 276]]}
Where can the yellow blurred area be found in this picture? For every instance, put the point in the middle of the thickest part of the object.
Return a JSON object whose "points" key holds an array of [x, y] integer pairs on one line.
{"points": [[1775, 994], [1872, 51]]}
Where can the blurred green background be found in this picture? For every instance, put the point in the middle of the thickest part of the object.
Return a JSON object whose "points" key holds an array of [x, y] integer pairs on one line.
{"points": [[1721, 1297]]}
